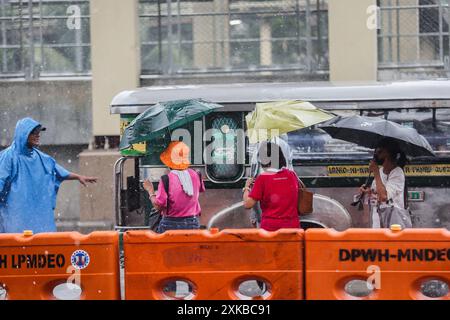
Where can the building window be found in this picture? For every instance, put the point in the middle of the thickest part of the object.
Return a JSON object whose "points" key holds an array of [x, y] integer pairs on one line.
{"points": [[44, 38], [207, 36], [414, 33]]}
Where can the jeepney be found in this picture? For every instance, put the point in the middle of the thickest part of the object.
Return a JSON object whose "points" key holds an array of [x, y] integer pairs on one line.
{"points": [[332, 169]]}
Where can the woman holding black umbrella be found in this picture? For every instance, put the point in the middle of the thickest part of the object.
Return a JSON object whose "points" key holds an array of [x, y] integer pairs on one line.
{"points": [[388, 186], [391, 141]]}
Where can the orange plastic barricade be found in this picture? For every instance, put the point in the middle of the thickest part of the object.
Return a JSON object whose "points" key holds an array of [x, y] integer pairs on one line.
{"points": [[214, 265], [377, 264], [65, 265]]}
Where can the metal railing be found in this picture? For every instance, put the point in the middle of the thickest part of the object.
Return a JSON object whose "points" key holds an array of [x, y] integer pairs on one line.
{"points": [[44, 38], [414, 34], [224, 36]]}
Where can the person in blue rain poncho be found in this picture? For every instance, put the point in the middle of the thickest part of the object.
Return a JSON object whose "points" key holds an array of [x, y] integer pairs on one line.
{"points": [[29, 182]]}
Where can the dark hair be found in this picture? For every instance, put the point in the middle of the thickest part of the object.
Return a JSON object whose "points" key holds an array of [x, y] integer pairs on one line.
{"points": [[395, 152], [270, 155]]}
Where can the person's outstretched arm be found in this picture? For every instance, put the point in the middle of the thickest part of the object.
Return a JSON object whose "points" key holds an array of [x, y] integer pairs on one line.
{"points": [[63, 174], [84, 180]]}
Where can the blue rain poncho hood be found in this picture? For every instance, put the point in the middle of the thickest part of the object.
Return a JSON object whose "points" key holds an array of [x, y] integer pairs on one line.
{"points": [[29, 183]]}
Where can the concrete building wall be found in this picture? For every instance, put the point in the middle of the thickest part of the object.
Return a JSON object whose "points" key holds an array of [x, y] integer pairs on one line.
{"points": [[352, 45], [115, 58], [63, 106], [97, 201], [208, 52]]}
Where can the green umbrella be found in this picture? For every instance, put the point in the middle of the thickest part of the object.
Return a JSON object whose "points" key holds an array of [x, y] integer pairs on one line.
{"points": [[275, 118], [159, 119]]}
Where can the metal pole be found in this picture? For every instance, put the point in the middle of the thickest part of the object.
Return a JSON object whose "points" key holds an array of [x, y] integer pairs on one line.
{"points": [[169, 36], [214, 35], [159, 36], [398, 30], [4, 55], [221, 36], [179, 31], [118, 221], [79, 48], [391, 49], [380, 36], [41, 37], [434, 118], [228, 39], [299, 41], [448, 37], [118, 187], [319, 34], [22, 55], [31, 39], [308, 36]]}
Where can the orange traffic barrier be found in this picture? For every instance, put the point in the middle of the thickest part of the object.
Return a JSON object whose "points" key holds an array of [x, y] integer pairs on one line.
{"points": [[377, 264], [200, 264], [64, 265]]}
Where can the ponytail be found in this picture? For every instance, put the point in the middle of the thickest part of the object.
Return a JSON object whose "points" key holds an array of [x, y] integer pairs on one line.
{"points": [[401, 159], [396, 153]]}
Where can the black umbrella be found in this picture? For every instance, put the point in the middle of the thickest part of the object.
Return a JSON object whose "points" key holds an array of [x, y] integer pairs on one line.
{"points": [[368, 132]]}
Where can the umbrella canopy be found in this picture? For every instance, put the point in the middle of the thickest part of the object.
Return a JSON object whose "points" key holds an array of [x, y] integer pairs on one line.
{"points": [[368, 131], [159, 119], [276, 118]]}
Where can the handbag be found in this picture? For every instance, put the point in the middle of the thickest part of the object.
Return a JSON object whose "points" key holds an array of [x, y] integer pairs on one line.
{"points": [[390, 214], [305, 199], [154, 218]]}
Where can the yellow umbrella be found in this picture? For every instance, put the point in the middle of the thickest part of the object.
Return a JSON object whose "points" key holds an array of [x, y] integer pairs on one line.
{"points": [[274, 118]]}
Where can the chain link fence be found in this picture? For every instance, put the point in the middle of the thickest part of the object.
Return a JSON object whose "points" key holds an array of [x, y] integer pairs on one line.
{"points": [[414, 34], [220, 36], [44, 38]]}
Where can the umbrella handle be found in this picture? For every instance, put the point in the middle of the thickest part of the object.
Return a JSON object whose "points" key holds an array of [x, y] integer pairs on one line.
{"points": [[359, 200], [368, 178], [370, 172]]}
